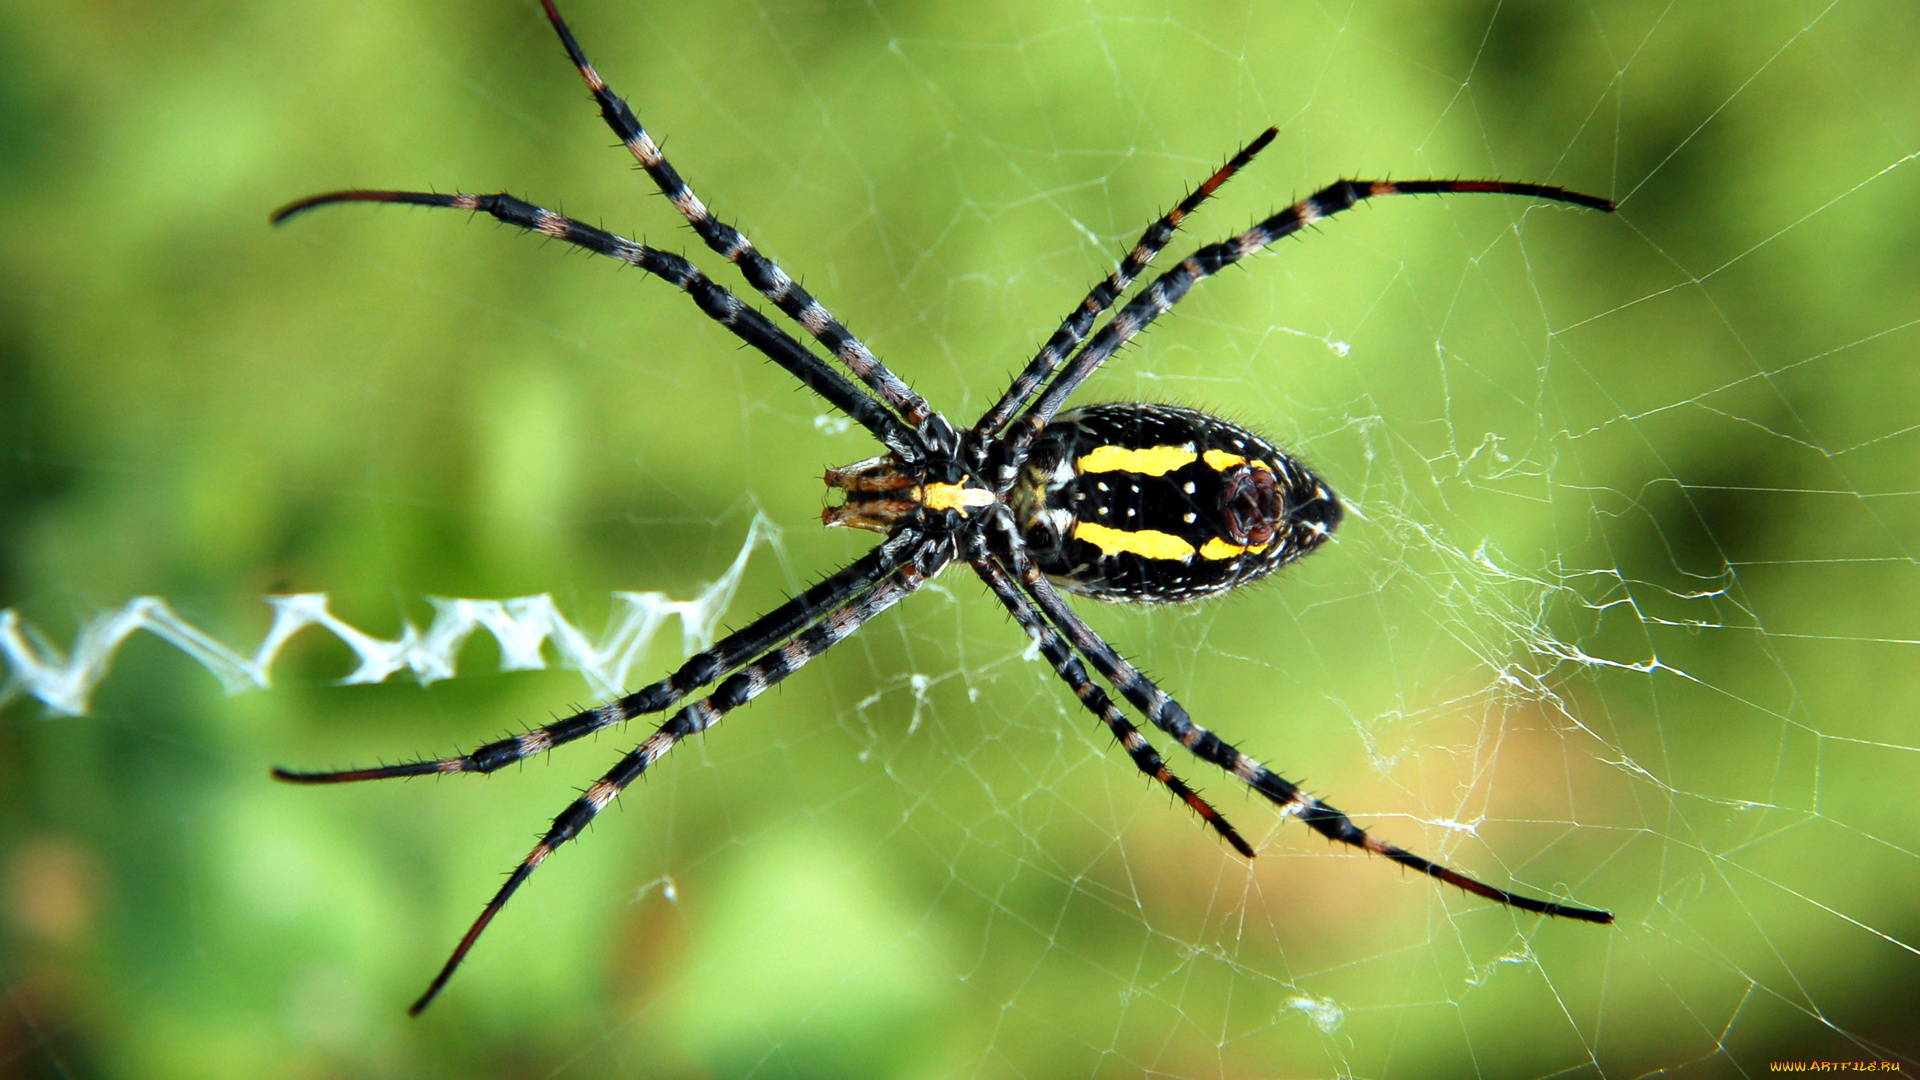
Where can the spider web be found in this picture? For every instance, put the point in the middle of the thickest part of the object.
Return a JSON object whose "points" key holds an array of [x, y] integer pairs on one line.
{"points": [[1624, 610]]}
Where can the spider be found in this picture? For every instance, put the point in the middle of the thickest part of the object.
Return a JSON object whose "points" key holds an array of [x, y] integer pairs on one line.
{"points": [[1128, 502]]}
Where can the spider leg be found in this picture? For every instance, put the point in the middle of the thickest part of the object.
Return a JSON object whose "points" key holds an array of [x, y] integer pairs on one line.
{"points": [[1168, 289], [720, 305], [761, 272], [742, 686], [1101, 297], [1070, 670], [1167, 714], [730, 652]]}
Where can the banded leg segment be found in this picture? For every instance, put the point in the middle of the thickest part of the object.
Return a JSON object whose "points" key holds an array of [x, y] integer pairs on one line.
{"points": [[1068, 667], [720, 305], [1167, 714], [761, 272], [736, 690], [848, 585], [1168, 289], [1102, 296]]}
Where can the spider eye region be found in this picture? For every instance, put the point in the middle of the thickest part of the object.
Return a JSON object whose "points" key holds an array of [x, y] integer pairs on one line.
{"points": [[1160, 504]]}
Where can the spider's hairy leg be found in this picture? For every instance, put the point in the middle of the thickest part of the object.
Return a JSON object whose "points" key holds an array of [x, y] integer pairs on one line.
{"points": [[1102, 296], [726, 654], [760, 272], [929, 557], [1070, 670], [719, 305], [1167, 714], [1374, 188], [1169, 288]]}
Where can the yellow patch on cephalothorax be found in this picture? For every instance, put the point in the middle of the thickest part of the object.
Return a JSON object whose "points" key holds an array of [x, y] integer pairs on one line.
{"points": [[956, 497], [1221, 461], [1150, 461], [1217, 548], [1146, 543]]}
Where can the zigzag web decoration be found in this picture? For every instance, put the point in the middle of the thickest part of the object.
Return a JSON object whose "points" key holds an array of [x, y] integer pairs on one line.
{"points": [[522, 625]]}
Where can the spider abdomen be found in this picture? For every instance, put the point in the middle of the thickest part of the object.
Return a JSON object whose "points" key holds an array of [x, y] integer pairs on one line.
{"points": [[1158, 504]]}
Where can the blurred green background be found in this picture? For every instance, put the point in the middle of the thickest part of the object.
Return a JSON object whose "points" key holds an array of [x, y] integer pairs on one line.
{"points": [[1625, 610]]}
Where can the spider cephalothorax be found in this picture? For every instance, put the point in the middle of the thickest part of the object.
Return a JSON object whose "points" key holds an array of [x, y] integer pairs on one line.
{"points": [[1125, 501]]}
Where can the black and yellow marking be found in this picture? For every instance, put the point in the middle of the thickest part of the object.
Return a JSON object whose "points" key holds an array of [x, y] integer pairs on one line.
{"points": [[1157, 503], [962, 497], [1147, 461]]}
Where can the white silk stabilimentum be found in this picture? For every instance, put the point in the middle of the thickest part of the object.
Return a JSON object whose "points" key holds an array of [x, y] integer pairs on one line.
{"points": [[523, 625]]}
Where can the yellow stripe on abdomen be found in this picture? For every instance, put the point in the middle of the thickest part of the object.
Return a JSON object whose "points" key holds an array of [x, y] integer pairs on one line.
{"points": [[1217, 548], [1146, 543], [1221, 461], [1149, 461]]}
